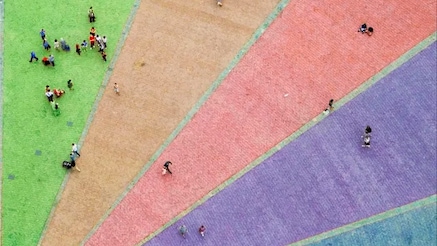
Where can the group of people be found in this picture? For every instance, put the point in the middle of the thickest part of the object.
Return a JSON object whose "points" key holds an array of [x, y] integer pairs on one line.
{"points": [[183, 230], [73, 155], [49, 93], [364, 29]]}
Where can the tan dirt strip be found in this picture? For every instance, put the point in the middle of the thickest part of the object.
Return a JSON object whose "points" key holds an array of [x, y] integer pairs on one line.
{"points": [[173, 53]]}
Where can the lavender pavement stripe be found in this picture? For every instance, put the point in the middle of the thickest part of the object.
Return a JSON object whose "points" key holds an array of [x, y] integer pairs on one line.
{"points": [[324, 180], [379, 217]]}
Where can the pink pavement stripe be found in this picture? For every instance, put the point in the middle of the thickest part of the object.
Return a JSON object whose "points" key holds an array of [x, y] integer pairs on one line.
{"points": [[312, 52]]}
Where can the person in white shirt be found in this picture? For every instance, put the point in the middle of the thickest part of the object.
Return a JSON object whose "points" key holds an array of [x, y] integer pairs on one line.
{"points": [[74, 149]]}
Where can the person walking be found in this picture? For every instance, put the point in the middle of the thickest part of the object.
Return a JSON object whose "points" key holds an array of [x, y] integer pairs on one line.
{"points": [[74, 149], [104, 55], [33, 56], [70, 84], [84, 45], [202, 230], [46, 44], [73, 162], [42, 33], [183, 230], [78, 49], [166, 168], [219, 3]]}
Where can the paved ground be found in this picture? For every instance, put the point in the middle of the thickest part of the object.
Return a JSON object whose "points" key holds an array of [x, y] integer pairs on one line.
{"points": [[324, 179], [232, 128], [174, 52]]}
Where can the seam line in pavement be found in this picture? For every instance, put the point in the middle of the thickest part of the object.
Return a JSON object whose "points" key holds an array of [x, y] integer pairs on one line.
{"points": [[360, 89], [90, 119]]}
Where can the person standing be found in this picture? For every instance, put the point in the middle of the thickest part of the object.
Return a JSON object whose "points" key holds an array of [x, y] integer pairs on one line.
{"points": [[74, 149], [93, 31], [104, 39], [166, 167], [92, 40], [84, 45], [52, 60], [219, 3], [49, 96], [116, 89], [91, 15], [202, 230], [56, 45], [183, 230], [33, 56]]}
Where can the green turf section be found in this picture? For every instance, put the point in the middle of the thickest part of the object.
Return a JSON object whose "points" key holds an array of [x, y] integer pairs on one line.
{"points": [[30, 182]]}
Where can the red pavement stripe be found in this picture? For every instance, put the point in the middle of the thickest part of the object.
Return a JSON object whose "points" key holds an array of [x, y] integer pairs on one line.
{"points": [[313, 53]]}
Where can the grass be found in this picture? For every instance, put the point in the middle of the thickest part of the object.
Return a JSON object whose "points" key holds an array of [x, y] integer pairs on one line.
{"points": [[30, 182]]}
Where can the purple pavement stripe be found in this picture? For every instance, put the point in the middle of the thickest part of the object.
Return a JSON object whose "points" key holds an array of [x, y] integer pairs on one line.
{"points": [[324, 179]]}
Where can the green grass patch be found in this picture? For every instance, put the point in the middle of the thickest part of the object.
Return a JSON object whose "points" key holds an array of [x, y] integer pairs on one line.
{"points": [[30, 182]]}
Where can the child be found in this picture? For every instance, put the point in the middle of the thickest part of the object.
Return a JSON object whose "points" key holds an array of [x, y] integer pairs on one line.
{"points": [[33, 56], [70, 84], [84, 45], [117, 91], [78, 49]]}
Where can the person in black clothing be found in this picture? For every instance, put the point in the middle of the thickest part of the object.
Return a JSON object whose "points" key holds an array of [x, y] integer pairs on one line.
{"points": [[368, 130], [166, 167]]}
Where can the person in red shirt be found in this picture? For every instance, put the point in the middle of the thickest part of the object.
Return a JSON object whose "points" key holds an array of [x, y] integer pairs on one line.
{"points": [[92, 41], [58, 92], [45, 61]]}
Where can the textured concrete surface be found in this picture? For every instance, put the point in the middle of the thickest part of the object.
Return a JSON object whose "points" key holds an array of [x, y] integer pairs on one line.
{"points": [[325, 179], [299, 55]]}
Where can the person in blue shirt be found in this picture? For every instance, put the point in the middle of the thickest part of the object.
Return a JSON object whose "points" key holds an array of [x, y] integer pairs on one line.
{"points": [[43, 34], [33, 56], [46, 44]]}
